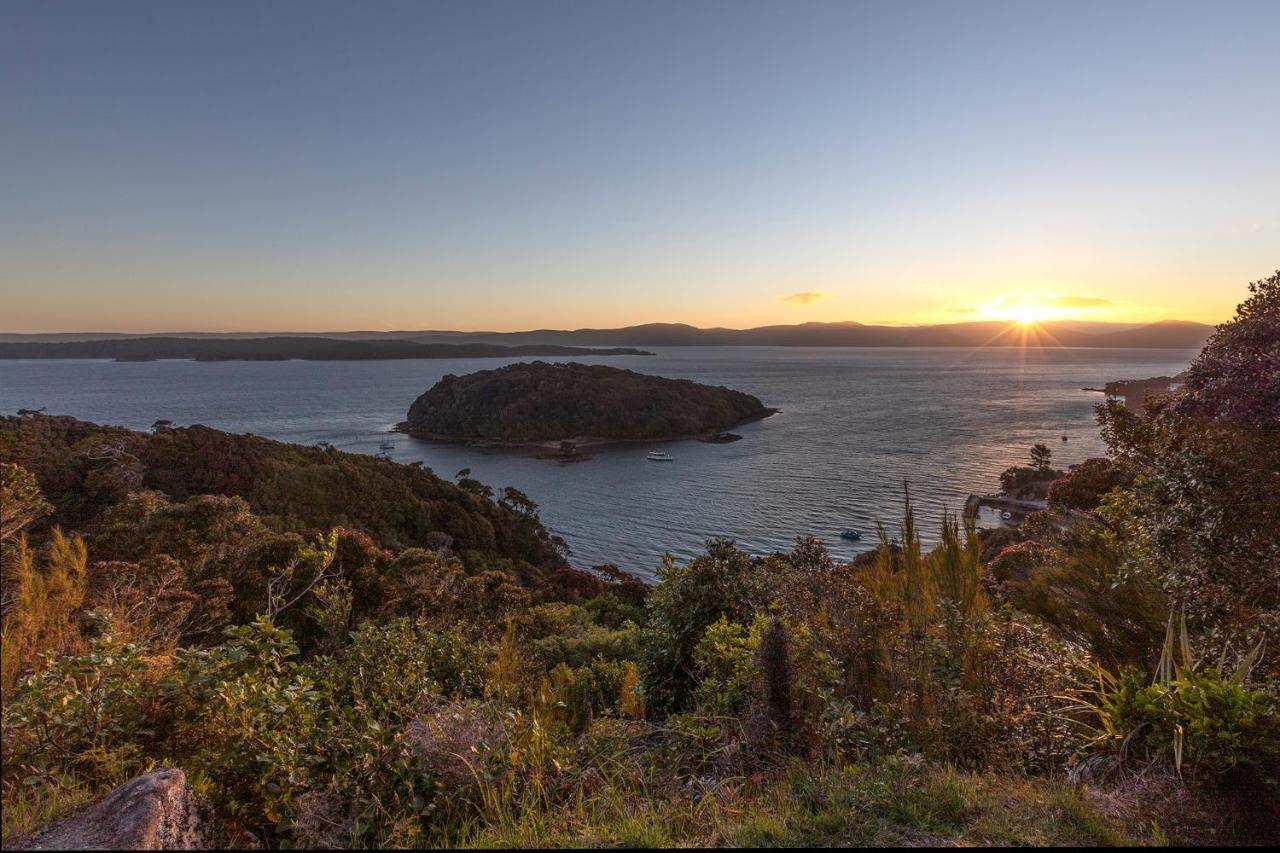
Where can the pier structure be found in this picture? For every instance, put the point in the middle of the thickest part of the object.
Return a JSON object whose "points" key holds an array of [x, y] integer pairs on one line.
{"points": [[1017, 507]]}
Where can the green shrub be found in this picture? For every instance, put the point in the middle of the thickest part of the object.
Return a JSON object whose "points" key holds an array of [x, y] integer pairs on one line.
{"points": [[722, 583], [85, 713], [321, 750], [580, 694], [851, 734], [399, 662], [577, 635], [246, 717], [723, 660], [1204, 720]]}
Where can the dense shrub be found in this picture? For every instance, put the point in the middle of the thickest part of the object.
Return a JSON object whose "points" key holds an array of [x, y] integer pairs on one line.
{"points": [[577, 635], [1085, 485], [1204, 719], [724, 583], [1201, 515], [1074, 580], [84, 713]]}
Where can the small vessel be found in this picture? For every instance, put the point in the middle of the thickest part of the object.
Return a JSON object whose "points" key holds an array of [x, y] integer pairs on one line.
{"points": [[1006, 515], [659, 456], [387, 445], [853, 535]]}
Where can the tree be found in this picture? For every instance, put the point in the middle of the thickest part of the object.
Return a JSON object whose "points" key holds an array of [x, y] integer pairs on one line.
{"points": [[1085, 485], [311, 566], [1040, 456], [21, 501], [518, 502], [1237, 375], [1203, 513]]}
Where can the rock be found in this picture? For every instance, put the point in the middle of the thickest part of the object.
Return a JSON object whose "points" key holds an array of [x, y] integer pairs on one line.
{"points": [[149, 812]]}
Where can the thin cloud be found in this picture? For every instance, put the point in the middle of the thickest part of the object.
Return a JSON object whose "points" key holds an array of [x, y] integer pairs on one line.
{"points": [[1079, 301], [962, 310], [804, 297], [1055, 300]]}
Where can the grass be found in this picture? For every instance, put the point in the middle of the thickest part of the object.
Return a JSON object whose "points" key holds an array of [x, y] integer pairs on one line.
{"points": [[903, 804], [31, 807]]}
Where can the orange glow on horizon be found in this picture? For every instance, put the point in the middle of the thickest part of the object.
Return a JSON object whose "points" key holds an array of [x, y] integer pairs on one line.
{"points": [[1030, 309]]}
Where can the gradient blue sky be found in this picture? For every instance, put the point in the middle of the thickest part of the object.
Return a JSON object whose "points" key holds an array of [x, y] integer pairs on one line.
{"points": [[252, 166]]}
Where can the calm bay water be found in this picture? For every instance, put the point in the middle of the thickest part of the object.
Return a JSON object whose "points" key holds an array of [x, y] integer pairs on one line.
{"points": [[855, 424]]}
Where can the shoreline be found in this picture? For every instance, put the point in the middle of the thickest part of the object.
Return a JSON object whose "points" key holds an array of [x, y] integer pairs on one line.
{"points": [[580, 442]]}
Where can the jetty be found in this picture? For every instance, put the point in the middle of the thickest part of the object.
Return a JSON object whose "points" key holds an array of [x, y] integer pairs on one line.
{"points": [[1017, 507]]}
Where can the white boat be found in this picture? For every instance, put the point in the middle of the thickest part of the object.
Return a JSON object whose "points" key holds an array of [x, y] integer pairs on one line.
{"points": [[1006, 515], [659, 456]]}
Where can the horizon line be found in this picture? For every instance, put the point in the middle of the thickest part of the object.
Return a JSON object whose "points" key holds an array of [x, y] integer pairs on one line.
{"points": [[885, 324]]}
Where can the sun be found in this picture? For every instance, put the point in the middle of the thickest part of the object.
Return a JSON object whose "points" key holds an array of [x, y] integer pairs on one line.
{"points": [[1029, 315], [1023, 310]]}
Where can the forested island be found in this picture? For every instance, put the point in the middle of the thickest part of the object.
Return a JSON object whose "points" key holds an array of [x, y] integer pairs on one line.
{"points": [[284, 348], [311, 648], [539, 402]]}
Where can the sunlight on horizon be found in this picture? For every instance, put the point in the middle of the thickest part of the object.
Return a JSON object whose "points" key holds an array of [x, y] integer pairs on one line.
{"points": [[1031, 309]]}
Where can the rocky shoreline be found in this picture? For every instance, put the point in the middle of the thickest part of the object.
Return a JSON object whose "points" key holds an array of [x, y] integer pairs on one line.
{"points": [[581, 442]]}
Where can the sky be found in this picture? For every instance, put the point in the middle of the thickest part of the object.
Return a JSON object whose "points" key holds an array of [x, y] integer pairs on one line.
{"points": [[328, 166]]}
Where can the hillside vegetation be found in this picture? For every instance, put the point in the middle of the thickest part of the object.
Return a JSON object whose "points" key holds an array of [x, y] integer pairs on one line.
{"points": [[345, 652], [544, 402], [177, 492]]}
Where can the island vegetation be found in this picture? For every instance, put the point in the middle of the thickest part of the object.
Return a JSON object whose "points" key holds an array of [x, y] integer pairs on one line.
{"points": [[284, 348], [342, 651], [538, 402]]}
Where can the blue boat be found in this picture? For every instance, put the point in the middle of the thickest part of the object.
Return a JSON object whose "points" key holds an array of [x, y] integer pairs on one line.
{"points": [[853, 535]]}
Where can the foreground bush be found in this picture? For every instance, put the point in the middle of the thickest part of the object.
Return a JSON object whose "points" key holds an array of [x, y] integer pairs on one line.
{"points": [[1202, 719]]}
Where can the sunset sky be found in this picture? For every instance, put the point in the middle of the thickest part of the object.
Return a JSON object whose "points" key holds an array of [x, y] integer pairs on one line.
{"points": [[321, 166]]}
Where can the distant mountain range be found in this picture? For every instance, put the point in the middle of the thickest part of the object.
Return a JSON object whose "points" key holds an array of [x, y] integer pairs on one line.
{"points": [[1167, 333]]}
